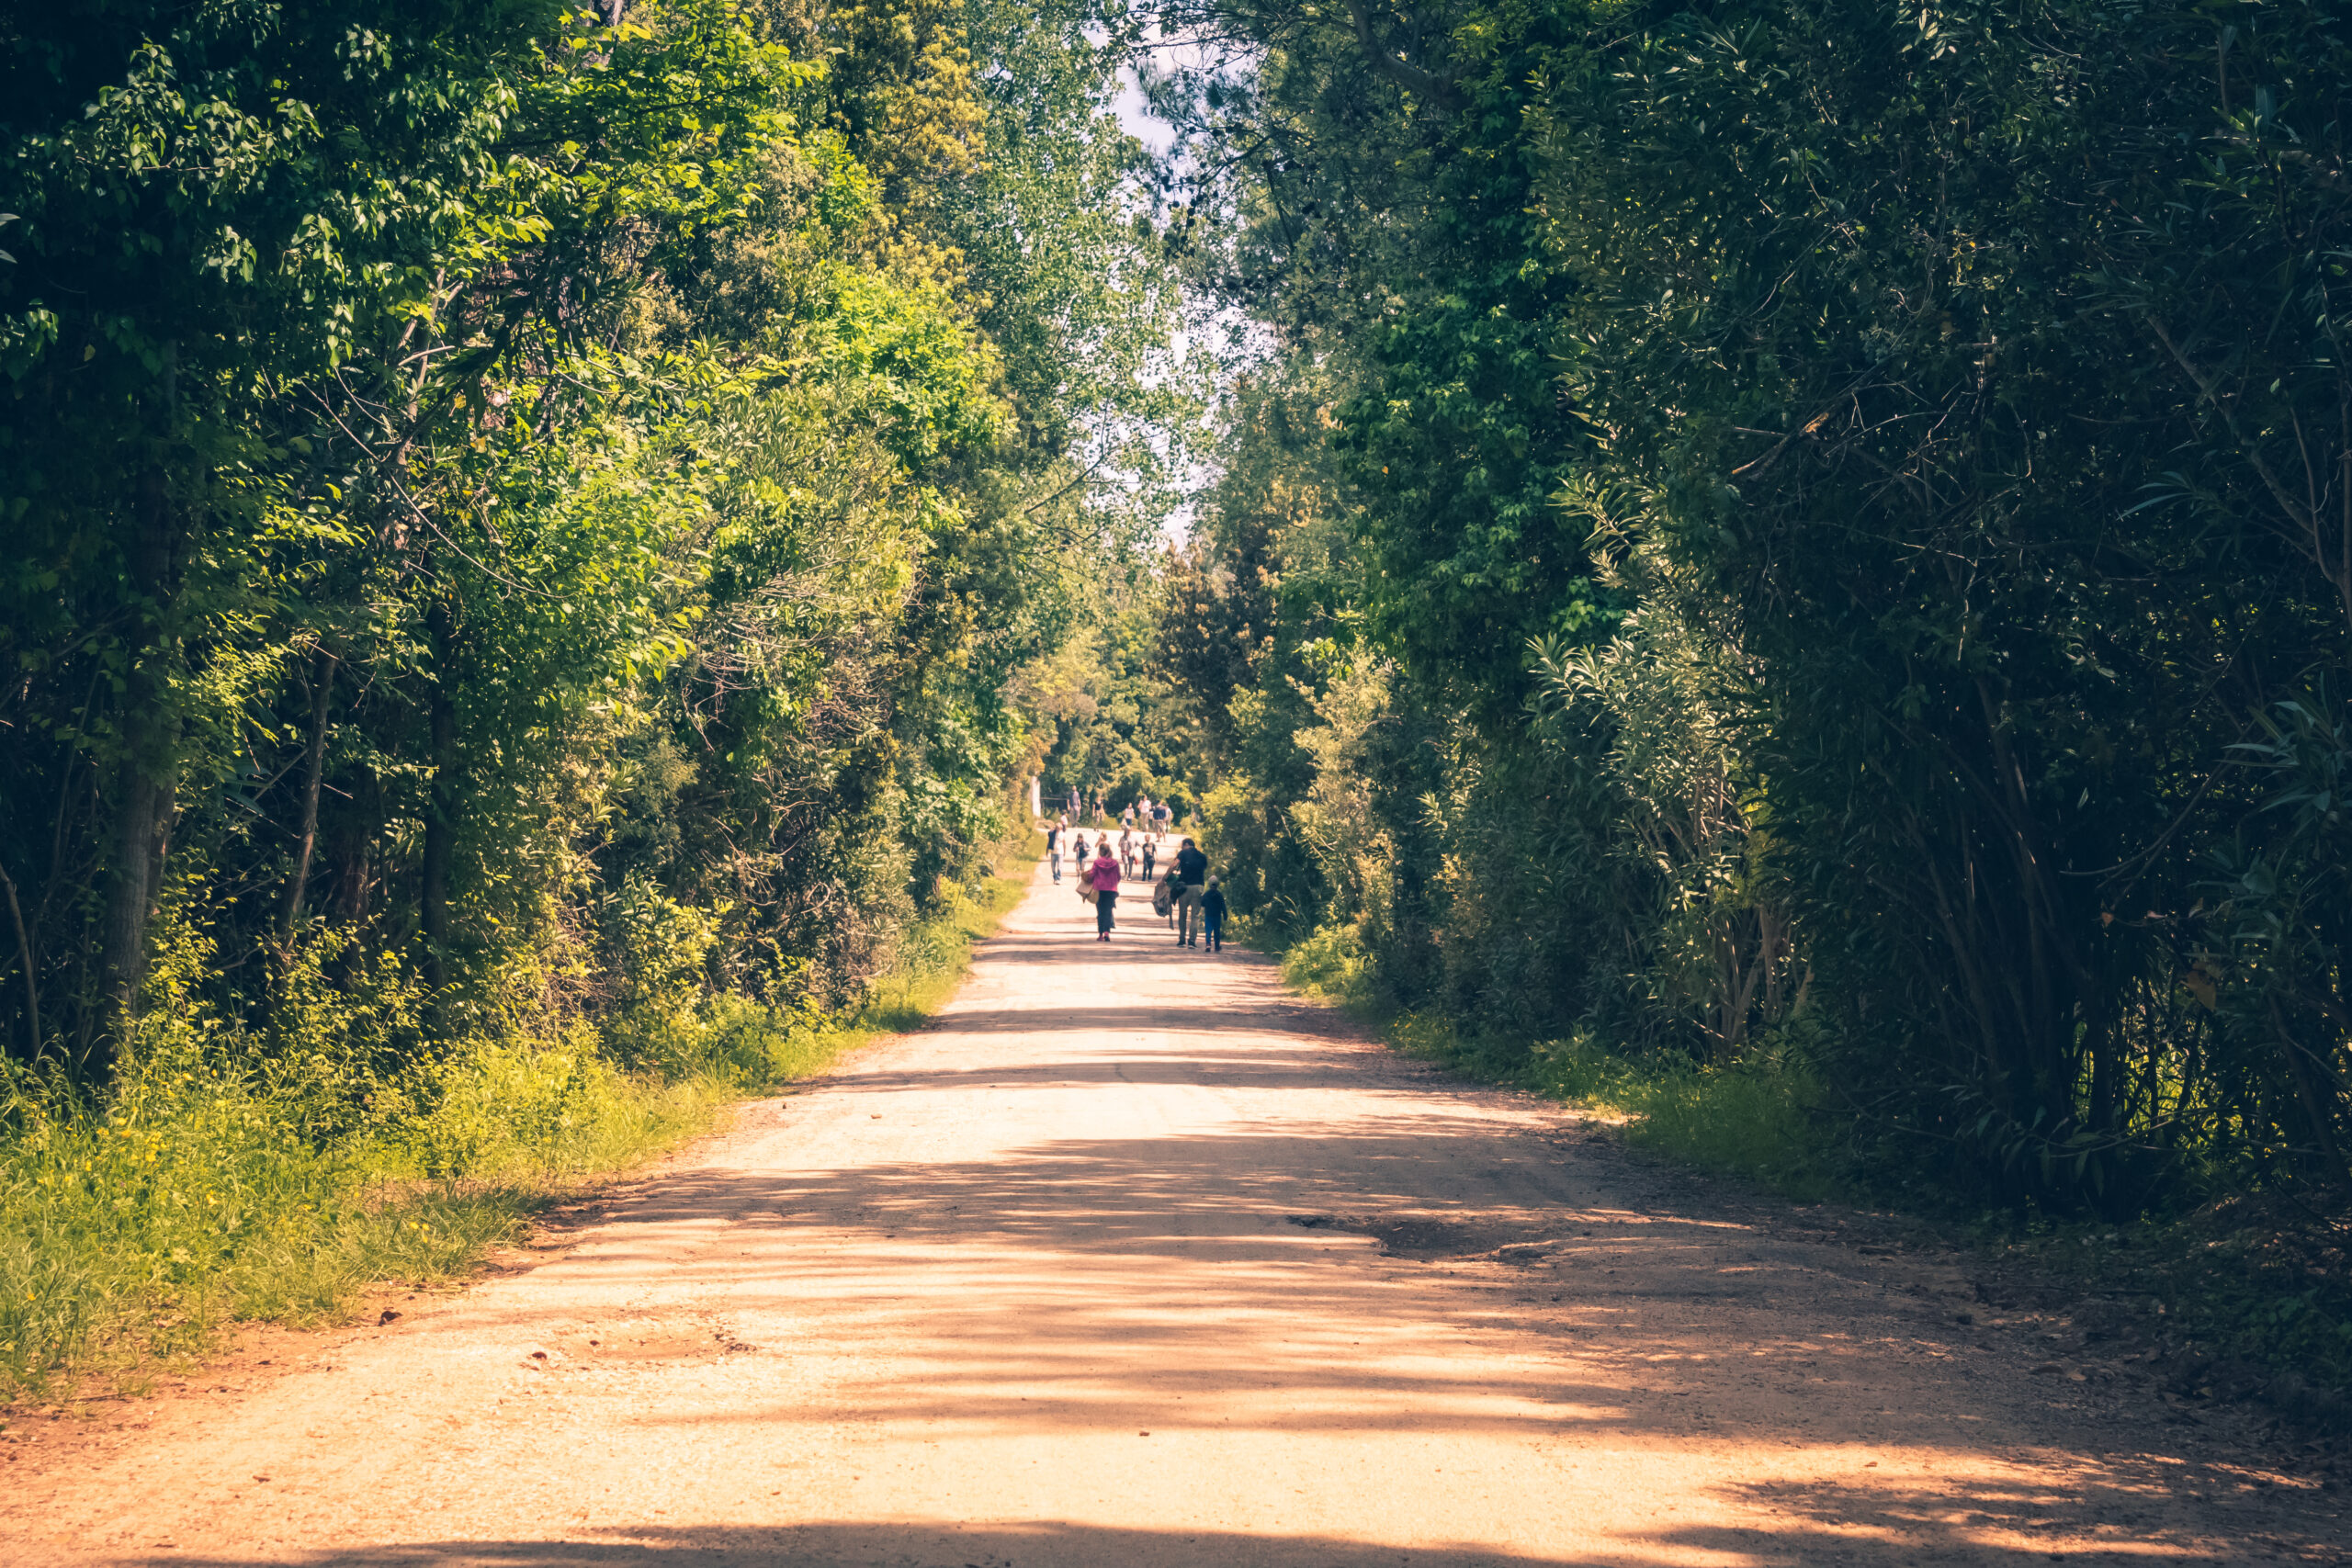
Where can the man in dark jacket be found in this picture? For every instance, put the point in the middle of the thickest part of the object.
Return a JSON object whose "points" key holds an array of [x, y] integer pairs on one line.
{"points": [[1192, 870]]}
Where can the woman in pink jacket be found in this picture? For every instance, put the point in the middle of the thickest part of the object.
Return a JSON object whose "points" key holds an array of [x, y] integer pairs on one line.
{"points": [[1105, 875]]}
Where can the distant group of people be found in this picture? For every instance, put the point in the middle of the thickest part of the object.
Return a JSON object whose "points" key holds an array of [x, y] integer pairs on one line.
{"points": [[1151, 815], [1185, 894]]}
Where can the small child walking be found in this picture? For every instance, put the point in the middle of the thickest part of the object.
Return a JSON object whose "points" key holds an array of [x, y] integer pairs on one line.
{"points": [[1213, 916]]}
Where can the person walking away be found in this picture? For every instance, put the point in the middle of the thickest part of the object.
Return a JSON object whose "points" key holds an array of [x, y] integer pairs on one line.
{"points": [[1084, 874], [1106, 892], [1213, 915], [1054, 848], [1192, 870], [1150, 849]]}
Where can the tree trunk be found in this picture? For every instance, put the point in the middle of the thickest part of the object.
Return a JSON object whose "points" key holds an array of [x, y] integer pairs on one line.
{"points": [[441, 816], [25, 956], [353, 838], [146, 777], [313, 767], [2317, 1112]]}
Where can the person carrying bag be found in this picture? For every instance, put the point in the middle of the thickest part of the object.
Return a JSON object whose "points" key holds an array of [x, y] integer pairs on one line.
{"points": [[1192, 870], [1105, 875]]}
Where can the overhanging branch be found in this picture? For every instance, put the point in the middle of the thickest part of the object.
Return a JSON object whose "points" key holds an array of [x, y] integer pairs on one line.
{"points": [[1406, 74]]}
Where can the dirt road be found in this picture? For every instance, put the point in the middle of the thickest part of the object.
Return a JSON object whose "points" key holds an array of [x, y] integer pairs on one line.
{"points": [[1134, 1260]]}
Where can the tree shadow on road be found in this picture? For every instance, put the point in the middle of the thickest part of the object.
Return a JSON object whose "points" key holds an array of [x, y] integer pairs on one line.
{"points": [[1090, 1286], [1836, 1534]]}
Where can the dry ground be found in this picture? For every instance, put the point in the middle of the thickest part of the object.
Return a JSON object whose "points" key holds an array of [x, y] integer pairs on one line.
{"points": [[1133, 1260]]}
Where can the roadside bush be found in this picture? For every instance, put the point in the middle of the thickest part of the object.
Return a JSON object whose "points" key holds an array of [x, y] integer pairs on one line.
{"points": [[272, 1170], [1331, 961]]}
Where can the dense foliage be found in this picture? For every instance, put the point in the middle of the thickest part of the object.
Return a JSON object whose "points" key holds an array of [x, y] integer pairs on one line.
{"points": [[1804, 542], [525, 527], [1808, 538]]}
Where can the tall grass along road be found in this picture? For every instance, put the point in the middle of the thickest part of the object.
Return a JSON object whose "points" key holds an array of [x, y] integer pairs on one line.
{"points": [[211, 1192], [1133, 1258]]}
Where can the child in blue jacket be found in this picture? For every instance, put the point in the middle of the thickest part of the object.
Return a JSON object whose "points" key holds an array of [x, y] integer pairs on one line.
{"points": [[1213, 915]]}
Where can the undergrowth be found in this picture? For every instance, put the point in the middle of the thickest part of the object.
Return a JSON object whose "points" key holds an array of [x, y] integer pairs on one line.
{"points": [[243, 1175], [1757, 1119], [2249, 1279]]}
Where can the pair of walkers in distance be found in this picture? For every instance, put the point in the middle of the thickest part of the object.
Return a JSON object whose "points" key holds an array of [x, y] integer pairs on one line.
{"points": [[1188, 896]]}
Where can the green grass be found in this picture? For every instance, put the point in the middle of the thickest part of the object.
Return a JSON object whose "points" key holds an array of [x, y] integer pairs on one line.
{"points": [[208, 1191], [140, 1229], [1757, 1119]]}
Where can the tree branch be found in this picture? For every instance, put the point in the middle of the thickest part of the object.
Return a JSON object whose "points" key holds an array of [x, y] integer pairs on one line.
{"points": [[1412, 78]]}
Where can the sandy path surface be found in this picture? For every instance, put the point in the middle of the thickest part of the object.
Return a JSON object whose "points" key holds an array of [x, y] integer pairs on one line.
{"points": [[1031, 1287]]}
